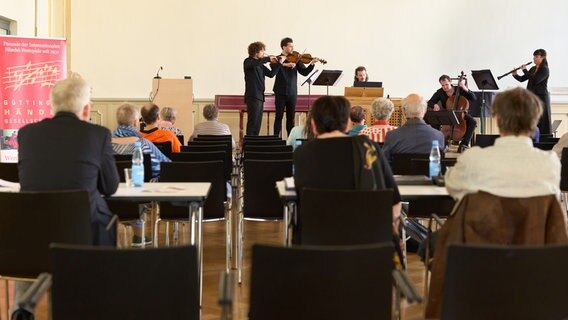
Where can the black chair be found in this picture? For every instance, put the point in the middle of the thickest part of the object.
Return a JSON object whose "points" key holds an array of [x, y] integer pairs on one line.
{"points": [[422, 166], [196, 156], [104, 283], [402, 163], [549, 139], [215, 136], [525, 282], [321, 282], [257, 148], [165, 147], [345, 217], [564, 177], [224, 138], [9, 171], [269, 137], [547, 146], [126, 159], [264, 142], [216, 207], [181, 139], [485, 140], [30, 221], [269, 155]]}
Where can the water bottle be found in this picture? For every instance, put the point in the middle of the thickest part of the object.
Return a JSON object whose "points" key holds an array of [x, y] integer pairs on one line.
{"points": [[137, 165], [435, 157]]}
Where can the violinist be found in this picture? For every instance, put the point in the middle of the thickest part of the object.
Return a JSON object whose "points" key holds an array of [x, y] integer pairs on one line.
{"points": [[255, 71], [538, 84], [439, 99], [286, 86]]}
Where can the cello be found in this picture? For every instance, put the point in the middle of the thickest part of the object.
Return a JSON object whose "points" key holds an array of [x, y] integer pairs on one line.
{"points": [[456, 103]]}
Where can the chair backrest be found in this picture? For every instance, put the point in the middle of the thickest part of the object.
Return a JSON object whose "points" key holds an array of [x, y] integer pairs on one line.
{"points": [[402, 163], [271, 137], [421, 166], [549, 139], [348, 282], [106, 283], [482, 218], [196, 156], [564, 170], [207, 171], [228, 138], [261, 199], [30, 221], [345, 217], [125, 161], [203, 145], [181, 139], [215, 136], [485, 140], [544, 145], [264, 142], [256, 148], [165, 147], [287, 155], [9, 171], [526, 282]]}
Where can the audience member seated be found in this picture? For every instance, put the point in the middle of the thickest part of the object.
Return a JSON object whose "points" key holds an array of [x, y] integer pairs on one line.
{"points": [[127, 118], [212, 126], [168, 116], [328, 160], [151, 116], [67, 152], [415, 136], [381, 109], [512, 167], [357, 123]]}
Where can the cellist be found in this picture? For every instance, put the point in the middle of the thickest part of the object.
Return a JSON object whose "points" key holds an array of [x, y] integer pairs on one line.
{"points": [[439, 99]]}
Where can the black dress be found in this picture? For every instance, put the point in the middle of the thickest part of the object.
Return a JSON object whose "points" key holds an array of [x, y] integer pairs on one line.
{"points": [[538, 84]]}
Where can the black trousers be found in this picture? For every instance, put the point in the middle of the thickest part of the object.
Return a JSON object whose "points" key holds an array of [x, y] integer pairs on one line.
{"points": [[288, 104], [254, 115], [544, 123]]}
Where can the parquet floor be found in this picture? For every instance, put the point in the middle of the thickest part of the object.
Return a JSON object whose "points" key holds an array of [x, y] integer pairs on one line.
{"points": [[214, 262]]}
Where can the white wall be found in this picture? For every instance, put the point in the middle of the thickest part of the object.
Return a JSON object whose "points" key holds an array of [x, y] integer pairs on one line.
{"points": [[407, 44], [23, 12]]}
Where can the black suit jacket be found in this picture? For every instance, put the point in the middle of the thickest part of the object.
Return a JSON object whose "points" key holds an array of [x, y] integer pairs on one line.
{"points": [[538, 79], [66, 153], [286, 82], [255, 71]]}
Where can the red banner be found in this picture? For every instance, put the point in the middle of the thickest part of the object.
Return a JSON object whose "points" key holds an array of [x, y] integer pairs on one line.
{"points": [[28, 70]]}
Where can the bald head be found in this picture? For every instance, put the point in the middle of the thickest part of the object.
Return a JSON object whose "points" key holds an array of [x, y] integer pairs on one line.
{"points": [[414, 106]]}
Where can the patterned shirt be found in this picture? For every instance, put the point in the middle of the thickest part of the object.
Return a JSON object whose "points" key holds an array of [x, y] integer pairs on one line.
{"points": [[147, 147], [378, 130]]}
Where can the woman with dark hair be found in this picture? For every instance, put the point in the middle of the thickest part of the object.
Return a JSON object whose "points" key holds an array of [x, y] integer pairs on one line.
{"points": [[538, 84], [329, 160]]}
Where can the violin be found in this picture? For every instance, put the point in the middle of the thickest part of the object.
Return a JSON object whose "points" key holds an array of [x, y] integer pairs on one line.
{"points": [[304, 58]]}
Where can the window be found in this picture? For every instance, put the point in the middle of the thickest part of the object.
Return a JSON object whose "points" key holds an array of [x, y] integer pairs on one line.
{"points": [[4, 26]]}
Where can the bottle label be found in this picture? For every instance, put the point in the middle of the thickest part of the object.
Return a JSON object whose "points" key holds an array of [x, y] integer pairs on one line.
{"points": [[137, 175]]}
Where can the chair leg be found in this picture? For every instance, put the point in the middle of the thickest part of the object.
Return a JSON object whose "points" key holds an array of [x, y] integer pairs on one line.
{"points": [[156, 233], [7, 298], [240, 249]]}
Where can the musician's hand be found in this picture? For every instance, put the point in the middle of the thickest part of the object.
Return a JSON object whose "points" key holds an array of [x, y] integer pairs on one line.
{"points": [[524, 66], [281, 59], [463, 86], [436, 107], [290, 65], [314, 60], [273, 59]]}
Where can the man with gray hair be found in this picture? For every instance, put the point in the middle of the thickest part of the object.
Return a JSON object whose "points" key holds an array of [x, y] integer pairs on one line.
{"points": [[67, 152], [211, 126], [415, 136], [381, 109]]}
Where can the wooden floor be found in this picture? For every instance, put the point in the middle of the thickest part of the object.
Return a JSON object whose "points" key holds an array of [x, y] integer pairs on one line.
{"points": [[214, 262]]}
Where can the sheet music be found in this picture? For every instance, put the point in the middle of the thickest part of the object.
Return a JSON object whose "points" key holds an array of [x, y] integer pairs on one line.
{"points": [[44, 73]]}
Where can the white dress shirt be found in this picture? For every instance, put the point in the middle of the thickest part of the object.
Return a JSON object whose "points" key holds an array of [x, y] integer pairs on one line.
{"points": [[510, 168]]}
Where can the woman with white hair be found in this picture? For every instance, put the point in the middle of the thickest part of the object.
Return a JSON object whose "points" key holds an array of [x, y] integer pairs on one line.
{"points": [[382, 109]]}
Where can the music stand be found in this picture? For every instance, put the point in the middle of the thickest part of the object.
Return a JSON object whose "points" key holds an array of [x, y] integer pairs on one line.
{"points": [[328, 78], [442, 117], [484, 81], [309, 81]]}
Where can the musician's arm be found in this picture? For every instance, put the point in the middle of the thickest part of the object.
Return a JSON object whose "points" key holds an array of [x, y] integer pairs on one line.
{"points": [[540, 75], [436, 99], [469, 95], [303, 70]]}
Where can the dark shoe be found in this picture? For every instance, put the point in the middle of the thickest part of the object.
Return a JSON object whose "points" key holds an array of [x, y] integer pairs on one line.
{"points": [[462, 148], [137, 241]]}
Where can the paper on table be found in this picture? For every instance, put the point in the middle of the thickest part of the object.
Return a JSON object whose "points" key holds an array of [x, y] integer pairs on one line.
{"points": [[289, 183], [9, 184]]}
